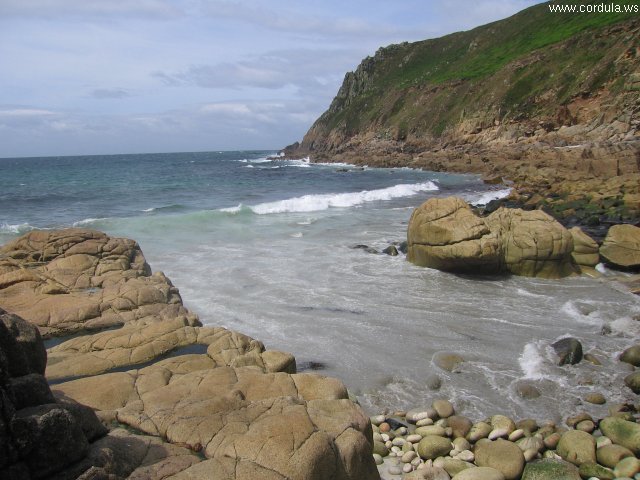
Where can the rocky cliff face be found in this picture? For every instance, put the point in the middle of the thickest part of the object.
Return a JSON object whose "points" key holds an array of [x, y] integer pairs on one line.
{"points": [[548, 101]]}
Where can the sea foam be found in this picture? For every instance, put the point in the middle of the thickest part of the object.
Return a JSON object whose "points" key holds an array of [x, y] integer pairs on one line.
{"points": [[485, 197], [312, 203], [15, 228]]}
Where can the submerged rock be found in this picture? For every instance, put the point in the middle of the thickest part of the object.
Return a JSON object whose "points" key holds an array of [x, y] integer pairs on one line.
{"points": [[569, 351]]}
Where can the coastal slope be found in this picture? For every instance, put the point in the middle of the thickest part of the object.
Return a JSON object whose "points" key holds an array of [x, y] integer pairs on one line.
{"points": [[546, 100]]}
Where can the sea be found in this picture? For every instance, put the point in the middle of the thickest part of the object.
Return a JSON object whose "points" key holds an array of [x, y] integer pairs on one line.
{"points": [[266, 246]]}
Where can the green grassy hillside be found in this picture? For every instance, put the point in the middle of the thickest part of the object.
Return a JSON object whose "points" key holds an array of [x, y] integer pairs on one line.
{"points": [[525, 66]]}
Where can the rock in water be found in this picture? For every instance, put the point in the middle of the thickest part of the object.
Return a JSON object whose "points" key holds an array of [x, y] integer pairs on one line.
{"points": [[633, 382], [569, 351], [445, 234], [622, 432], [585, 249], [621, 246], [631, 355]]}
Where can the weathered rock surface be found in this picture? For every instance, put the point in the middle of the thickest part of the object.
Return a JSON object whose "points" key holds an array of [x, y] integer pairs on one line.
{"points": [[240, 406], [585, 249], [445, 234], [621, 246]]}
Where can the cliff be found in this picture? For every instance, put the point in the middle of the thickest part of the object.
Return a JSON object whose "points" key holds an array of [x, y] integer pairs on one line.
{"points": [[547, 100]]}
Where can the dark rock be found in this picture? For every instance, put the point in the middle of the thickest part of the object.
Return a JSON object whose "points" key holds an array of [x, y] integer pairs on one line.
{"points": [[31, 390], [569, 351], [395, 424], [391, 250], [366, 248], [48, 437], [403, 247], [21, 343]]}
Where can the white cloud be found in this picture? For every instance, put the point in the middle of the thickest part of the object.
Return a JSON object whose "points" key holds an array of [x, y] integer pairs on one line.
{"points": [[25, 112]]}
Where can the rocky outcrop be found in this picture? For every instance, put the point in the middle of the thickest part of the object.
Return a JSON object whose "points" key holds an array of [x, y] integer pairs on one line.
{"points": [[621, 247], [232, 410], [585, 249], [444, 233], [39, 437]]}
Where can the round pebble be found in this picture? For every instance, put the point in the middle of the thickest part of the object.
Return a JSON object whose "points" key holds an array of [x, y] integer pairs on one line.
{"points": [[498, 433], [407, 468], [466, 456], [516, 435], [385, 427], [416, 462], [395, 449], [595, 398], [385, 437], [424, 422], [586, 426], [398, 441], [378, 459], [530, 454], [443, 408], [377, 419], [603, 441], [414, 438], [409, 456]]}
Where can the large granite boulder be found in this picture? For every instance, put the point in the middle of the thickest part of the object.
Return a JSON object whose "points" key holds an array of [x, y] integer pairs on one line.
{"points": [[444, 233], [70, 281], [621, 246]]}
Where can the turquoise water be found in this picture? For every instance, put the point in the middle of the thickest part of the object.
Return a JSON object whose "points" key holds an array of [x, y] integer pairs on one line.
{"points": [[265, 247]]}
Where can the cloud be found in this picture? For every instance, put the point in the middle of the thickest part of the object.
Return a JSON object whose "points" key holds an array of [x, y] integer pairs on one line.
{"points": [[109, 93], [304, 69], [149, 9], [24, 112]]}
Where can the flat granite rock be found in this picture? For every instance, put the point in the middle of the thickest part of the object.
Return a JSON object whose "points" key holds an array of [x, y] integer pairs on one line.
{"points": [[236, 412]]}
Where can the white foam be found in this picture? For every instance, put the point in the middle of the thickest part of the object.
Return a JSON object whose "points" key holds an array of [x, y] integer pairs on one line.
{"points": [[485, 197], [88, 221], [147, 210], [312, 203], [235, 209], [15, 228], [581, 315], [532, 361]]}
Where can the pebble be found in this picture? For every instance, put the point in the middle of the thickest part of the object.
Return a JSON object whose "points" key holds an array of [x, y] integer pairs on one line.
{"points": [[378, 419], [395, 449], [417, 461], [398, 441], [530, 454], [516, 435], [385, 427], [595, 398], [466, 456], [385, 437], [498, 433], [586, 426], [407, 468], [378, 459], [409, 456], [430, 430], [443, 408], [461, 444], [603, 441], [395, 470], [414, 438], [414, 416], [424, 422], [551, 441]]}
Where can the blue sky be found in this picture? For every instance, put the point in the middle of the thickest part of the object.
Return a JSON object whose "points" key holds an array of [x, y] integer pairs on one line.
{"points": [[130, 76]]}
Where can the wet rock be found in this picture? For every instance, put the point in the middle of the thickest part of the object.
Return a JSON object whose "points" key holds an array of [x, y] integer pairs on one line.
{"points": [[525, 389], [631, 355], [403, 247], [443, 408], [479, 430], [447, 361], [460, 426], [595, 398], [434, 382], [585, 249], [391, 250], [549, 469], [569, 351], [502, 455], [592, 359], [366, 248], [577, 447], [627, 467], [633, 382]]}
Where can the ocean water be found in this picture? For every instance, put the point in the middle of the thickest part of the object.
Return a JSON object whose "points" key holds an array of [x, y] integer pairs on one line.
{"points": [[265, 247]]}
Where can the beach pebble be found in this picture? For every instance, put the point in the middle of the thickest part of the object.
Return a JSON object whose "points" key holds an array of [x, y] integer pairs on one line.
{"points": [[611, 455], [448, 361], [530, 454], [414, 438], [498, 433], [384, 427], [378, 459], [592, 359], [531, 443], [395, 449], [430, 430], [385, 437], [424, 422], [417, 461], [460, 426], [409, 456], [377, 419], [576, 419], [501, 422], [443, 408], [380, 448], [593, 470], [478, 431], [461, 444], [388, 444], [516, 435], [401, 431], [398, 441], [417, 414], [433, 446], [395, 470], [466, 456], [603, 441], [480, 473], [586, 426], [595, 398], [529, 425], [502, 455], [407, 468], [577, 447], [551, 441], [627, 467], [434, 382]]}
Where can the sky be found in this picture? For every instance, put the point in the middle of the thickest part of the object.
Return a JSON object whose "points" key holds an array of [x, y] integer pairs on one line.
{"points": [[83, 77]]}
